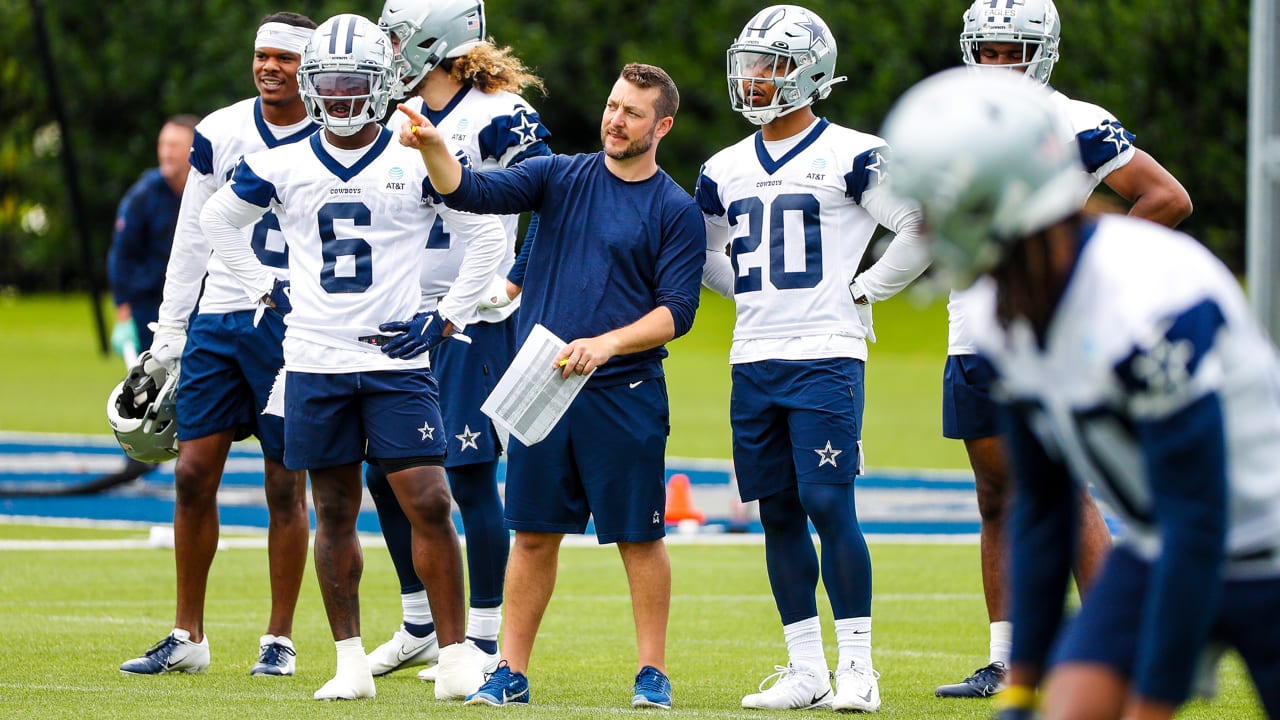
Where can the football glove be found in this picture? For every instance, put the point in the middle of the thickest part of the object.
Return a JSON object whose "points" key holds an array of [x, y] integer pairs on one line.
{"points": [[124, 339], [168, 344], [863, 305], [421, 334], [278, 298]]}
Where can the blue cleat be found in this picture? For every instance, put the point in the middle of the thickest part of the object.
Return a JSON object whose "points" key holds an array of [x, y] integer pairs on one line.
{"points": [[653, 689], [984, 682], [176, 653], [276, 656], [501, 688]]}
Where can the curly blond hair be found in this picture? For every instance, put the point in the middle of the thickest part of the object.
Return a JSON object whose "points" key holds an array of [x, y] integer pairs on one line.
{"points": [[489, 68]]}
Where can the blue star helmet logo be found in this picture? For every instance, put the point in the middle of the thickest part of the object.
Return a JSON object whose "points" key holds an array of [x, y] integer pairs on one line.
{"points": [[816, 31]]}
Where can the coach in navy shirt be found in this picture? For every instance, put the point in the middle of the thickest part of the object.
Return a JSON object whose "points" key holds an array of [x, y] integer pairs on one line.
{"points": [[615, 268], [143, 236]]}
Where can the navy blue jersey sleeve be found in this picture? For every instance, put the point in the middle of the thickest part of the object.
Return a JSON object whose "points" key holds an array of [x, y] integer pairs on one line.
{"points": [[201, 156], [1103, 144], [707, 193], [1041, 540], [679, 269], [869, 170], [251, 188], [1185, 458], [128, 242], [511, 190]]}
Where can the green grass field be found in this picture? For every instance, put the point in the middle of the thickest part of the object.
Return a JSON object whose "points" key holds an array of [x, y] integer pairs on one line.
{"points": [[68, 618], [53, 379]]}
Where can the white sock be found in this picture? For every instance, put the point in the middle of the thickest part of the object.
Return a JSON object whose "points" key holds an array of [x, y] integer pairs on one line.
{"points": [[1001, 641], [282, 640], [416, 609], [183, 635], [351, 656], [804, 644], [484, 623], [853, 637]]}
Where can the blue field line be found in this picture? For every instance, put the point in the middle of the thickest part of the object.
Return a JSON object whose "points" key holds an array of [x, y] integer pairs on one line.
{"points": [[891, 501]]}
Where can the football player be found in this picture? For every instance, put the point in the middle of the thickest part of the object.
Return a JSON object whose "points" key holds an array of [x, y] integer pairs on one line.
{"points": [[354, 208], [470, 90], [796, 204], [1023, 37], [614, 269], [1127, 360], [229, 364]]}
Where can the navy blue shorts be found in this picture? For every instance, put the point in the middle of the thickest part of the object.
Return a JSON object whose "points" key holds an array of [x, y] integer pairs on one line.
{"points": [[228, 368], [604, 460], [968, 412], [796, 421], [1106, 630], [466, 374], [344, 418]]}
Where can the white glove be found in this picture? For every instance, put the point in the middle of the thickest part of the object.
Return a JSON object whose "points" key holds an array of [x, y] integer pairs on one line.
{"points": [[167, 346], [863, 305], [495, 295]]}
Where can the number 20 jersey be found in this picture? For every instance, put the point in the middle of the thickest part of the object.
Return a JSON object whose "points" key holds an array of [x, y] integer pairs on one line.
{"points": [[797, 230]]}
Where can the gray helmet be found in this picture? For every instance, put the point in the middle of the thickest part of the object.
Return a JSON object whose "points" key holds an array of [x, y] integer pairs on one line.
{"points": [[987, 157], [347, 59], [428, 31], [796, 50], [142, 412], [1034, 23]]}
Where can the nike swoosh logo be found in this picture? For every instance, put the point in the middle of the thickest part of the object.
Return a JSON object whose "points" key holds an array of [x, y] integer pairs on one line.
{"points": [[634, 385], [867, 698], [401, 655]]}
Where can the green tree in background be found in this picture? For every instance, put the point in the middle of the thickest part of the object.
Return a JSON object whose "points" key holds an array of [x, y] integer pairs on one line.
{"points": [[125, 66]]}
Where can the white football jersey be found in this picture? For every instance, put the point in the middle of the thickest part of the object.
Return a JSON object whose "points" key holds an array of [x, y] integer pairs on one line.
{"points": [[221, 139], [1105, 146], [354, 221], [1149, 323], [486, 131], [797, 218]]}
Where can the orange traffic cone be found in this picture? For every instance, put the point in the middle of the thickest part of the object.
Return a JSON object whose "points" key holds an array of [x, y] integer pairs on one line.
{"points": [[680, 501]]}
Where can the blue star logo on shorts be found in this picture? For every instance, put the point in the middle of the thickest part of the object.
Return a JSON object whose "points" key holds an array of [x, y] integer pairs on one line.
{"points": [[827, 455], [428, 432], [468, 438]]}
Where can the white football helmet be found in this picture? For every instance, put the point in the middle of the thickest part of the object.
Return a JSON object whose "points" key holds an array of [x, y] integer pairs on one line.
{"points": [[1034, 23], [142, 411], [346, 74], [426, 32], [985, 156], [789, 47]]}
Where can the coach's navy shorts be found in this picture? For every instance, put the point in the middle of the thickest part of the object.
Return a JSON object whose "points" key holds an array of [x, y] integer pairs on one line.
{"points": [[228, 368], [344, 418], [796, 421], [1106, 630], [466, 374], [968, 412], [604, 460]]}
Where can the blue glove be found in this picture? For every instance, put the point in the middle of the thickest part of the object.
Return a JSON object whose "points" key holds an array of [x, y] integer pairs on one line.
{"points": [[278, 298], [124, 338], [422, 333]]}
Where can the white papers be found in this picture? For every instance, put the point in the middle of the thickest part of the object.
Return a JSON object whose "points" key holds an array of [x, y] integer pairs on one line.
{"points": [[531, 397]]}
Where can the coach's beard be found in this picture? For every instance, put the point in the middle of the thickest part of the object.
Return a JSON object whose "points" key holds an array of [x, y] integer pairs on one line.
{"points": [[636, 147]]}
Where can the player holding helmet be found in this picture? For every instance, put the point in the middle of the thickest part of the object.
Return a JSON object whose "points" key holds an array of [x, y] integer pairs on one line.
{"points": [[354, 207]]}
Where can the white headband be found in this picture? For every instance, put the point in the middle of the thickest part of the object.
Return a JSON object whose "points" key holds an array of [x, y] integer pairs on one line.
{"points": [[281, 36]]}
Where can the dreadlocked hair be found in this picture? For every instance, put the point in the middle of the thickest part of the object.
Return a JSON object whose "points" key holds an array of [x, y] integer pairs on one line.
{"points": [[489, 69]]}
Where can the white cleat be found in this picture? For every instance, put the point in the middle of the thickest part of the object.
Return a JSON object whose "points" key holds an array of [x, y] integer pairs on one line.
{"points": [[348, 684], [460, 671], [794, 688], [857, 689], [403, 651], [491, 660]]}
